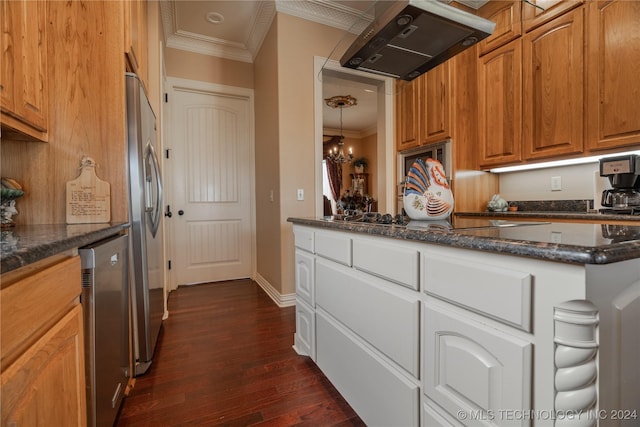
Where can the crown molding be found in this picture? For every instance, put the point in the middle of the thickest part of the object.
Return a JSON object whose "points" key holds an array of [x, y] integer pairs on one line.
{"points": [[327, 13], [320, 11]]}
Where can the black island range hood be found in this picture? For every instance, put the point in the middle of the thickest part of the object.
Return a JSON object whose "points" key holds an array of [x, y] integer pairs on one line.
{"points": [[409, 37]]}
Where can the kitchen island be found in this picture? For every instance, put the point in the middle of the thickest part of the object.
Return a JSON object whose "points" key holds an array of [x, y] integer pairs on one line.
{"points": [[479, 321]]}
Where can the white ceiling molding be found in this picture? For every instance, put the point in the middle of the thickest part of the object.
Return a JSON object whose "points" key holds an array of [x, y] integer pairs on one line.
{"points": [[199, 43], [320, 11], [328, 13]]}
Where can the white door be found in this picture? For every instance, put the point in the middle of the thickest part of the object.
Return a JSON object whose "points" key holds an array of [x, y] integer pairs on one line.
{"points": [[211, 186]]}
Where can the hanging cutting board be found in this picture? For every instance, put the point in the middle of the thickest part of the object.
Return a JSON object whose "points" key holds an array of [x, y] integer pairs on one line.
{"points": [[88, 197]]}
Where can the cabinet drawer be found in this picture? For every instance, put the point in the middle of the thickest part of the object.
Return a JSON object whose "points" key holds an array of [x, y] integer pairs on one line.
{"points": [[387, 318], [395, 263], [471, 366], [305, 339], [379, 394], [303, 239], [305, 277], [497, 292], [35, 303], [336, 247]]}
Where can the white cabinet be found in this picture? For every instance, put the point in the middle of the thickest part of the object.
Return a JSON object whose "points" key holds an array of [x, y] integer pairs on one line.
{"points": [[305, 338], [304, 342], [494, 291], [383, 315], [334, 246], [305, 277], [380, 394], [471, 366], [358, 314], [412, 333], [392, 262]]}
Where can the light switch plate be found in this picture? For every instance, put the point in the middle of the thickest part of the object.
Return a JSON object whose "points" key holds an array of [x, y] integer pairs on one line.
{"points": [[300, 194], [556, 183]]}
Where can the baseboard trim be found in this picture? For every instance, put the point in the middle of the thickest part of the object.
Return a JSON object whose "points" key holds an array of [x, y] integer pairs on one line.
{"points": [[286, 300]]}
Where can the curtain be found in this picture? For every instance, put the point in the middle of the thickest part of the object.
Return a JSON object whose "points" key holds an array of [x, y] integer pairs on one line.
{"points": [[334, 172]]}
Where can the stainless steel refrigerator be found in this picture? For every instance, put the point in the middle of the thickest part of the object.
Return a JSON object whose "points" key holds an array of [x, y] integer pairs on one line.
{"points": [[145, 216]]}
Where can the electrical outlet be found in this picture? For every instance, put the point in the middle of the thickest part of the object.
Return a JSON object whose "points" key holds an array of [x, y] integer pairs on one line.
{"points": [[271, 196], [556, 237], [300, 194], [556, 183]]}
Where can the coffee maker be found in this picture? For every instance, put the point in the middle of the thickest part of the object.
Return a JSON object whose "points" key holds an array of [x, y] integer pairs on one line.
{"points": [[623, 173]]}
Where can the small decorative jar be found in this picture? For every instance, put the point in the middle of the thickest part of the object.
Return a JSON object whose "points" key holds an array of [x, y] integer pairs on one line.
{"points": [[8, 206]]}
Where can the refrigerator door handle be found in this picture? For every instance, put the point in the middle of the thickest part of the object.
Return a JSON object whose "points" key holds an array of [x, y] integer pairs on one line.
{"points": [[154, 207]]}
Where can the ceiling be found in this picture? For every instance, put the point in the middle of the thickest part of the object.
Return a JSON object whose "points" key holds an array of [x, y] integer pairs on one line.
{"points": [[235, 29]]}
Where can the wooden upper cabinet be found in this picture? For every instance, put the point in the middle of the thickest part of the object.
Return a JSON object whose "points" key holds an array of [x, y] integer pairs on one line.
{"points": [[408, 99], [553, 85], [435, 117], [423, 108], [23, 85], [507, 16], [500, 105], [135, 37], [613, 86], [538, 12]]}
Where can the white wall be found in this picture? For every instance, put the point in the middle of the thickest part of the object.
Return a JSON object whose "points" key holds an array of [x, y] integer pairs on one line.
{"points": [[578, 182]]}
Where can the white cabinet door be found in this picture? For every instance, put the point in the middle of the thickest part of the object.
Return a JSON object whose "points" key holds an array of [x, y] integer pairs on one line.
{"points": [[379, 393], [470, 365], [305, 277], [386, 316], [305, 336]]}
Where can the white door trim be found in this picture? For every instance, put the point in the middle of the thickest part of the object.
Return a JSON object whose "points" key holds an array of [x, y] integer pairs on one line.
{"points": [[386, 146], [221, 90]]}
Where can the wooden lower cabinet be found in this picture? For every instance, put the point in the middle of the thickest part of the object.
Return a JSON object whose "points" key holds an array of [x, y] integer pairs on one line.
{"points": [[43, 370], [45, 386]]}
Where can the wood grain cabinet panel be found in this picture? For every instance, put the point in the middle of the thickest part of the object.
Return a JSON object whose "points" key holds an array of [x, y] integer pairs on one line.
{"points": [[613, 87], [47, 383], [538, 12], [508, 18], [553, 67], [435, 118], [423, 108], [23, 83], [408, 100], [135, 37], [43, 370], [500, 105]]}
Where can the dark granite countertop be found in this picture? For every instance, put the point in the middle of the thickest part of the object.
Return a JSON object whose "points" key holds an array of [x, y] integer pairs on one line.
{"points": [[24, 245], [576, 243]]}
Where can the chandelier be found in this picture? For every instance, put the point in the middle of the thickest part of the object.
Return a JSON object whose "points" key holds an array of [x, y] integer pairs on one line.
{"points": [[337, 154]]}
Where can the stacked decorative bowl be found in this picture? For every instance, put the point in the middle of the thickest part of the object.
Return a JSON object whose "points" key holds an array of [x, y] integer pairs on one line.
{"points": [[10, 191]]}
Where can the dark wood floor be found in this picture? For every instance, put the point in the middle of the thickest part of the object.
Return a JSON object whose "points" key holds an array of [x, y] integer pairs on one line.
{"points": [[224, 357]]}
